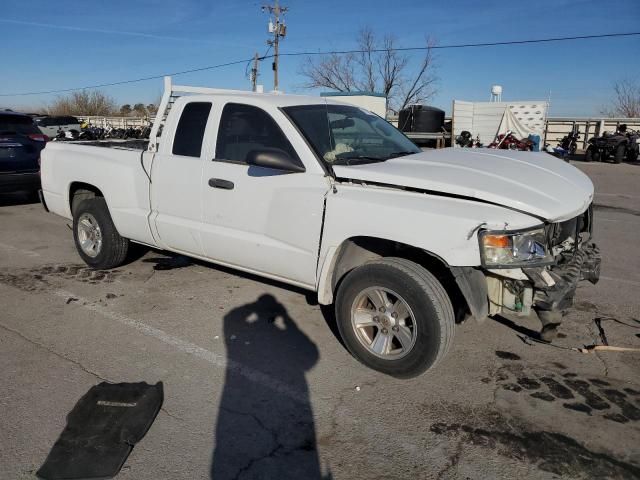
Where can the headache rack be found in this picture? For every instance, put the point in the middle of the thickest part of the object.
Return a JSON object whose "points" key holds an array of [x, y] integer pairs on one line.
{"points": [[170, 95]]}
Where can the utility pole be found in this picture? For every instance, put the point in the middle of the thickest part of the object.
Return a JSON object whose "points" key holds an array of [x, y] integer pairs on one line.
{"points": [[254, 73], [278, 29]]}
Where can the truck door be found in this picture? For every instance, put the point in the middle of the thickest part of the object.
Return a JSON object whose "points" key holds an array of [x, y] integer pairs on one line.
{"points": [[260, 219], [176, 176]]}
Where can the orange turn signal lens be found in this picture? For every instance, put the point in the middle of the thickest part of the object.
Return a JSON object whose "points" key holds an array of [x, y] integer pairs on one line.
{"points": [[497, 241]]}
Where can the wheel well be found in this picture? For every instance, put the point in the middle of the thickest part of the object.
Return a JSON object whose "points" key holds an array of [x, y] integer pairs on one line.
{"points": [[79, 191], [357, 251]]}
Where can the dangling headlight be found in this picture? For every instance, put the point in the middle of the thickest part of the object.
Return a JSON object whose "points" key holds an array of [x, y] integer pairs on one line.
{"points": [[524, 248]]}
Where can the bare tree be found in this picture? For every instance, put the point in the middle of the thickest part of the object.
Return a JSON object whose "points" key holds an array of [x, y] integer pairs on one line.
{"points": [[378, 67], [84, 102], [626, 102]]}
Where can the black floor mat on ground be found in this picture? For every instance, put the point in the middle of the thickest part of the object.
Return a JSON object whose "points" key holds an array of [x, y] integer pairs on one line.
{"points": [[102, 429]]}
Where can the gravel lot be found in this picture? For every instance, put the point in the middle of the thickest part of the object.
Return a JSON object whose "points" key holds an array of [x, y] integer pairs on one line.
{"points": [[258, 386]]}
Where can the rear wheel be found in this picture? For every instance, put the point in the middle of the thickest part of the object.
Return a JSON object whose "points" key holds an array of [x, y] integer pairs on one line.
{"points": [[395, 317], [619, 153], [97, 240]]}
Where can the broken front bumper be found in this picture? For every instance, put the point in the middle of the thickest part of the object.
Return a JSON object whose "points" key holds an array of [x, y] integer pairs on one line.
{"points": [[549, 288]]}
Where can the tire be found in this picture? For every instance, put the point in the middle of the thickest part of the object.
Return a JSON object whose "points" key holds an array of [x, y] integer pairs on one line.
{"points": [[620, 153], [430, 321], [588, 155], [112, 249], [632, 156]]}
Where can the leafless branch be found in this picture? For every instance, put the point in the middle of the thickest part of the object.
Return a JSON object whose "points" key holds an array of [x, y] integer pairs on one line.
{"points": [[367, 44], [627, 99], [378, 67], [422, 87]]}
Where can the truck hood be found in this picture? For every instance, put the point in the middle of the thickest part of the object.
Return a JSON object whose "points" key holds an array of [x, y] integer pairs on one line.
{"points": [[532, 182]]}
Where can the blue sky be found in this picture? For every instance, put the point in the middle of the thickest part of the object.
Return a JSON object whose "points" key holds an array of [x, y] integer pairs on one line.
{"points": [[61, 44]]}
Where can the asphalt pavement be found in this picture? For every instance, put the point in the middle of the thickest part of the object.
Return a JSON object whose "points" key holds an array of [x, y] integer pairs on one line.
{"points": [[257, 385]]}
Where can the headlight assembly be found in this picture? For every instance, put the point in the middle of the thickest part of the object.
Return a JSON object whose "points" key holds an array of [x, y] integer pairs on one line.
{"points": [[524, 248]]}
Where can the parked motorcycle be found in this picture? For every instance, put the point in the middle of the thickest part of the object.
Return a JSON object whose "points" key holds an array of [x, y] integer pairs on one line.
{"points": [[621, 144], [508, 141], [116, 133], [465, 140], [146, 131], [569, 143], [557, 152], [91, 132], [132, 132], [65, 135]]}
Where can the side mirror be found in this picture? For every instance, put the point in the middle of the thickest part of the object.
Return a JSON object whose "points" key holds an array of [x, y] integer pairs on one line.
{"points": [[275, 159]]}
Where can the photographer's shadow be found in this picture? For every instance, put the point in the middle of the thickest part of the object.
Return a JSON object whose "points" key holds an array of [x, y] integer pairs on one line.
{"points": [[265, 427]]}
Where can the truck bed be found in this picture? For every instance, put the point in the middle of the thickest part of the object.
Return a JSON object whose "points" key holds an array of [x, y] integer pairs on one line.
{"points": [[116, 171]]}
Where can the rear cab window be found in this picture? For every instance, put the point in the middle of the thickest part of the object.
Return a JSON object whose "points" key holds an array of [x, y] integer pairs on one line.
{"points": [[189, 134]]}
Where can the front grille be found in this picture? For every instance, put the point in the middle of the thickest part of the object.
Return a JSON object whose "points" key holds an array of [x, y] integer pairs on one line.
{"points": [[579, 227]]}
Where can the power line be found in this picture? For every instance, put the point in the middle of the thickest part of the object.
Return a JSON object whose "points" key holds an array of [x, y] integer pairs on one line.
{"points": [[123, 82], [331, 52], [466, 45]]}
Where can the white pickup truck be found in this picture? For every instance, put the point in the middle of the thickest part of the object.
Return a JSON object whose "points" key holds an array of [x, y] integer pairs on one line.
{"points": [[330, 197]]}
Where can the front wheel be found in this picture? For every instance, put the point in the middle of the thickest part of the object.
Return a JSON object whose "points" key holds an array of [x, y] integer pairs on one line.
{"points": [[395, 317], [591, 155], [96, 238]]}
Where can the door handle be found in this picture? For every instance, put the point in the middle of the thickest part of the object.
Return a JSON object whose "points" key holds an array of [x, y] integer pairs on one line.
{"points": [[220, 183]]}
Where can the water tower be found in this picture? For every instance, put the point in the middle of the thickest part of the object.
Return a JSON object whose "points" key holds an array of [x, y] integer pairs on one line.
{"points": [[496, 93]]}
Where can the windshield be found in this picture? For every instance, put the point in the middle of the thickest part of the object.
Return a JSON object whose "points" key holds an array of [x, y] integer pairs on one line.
{"points": [[347, 135]]}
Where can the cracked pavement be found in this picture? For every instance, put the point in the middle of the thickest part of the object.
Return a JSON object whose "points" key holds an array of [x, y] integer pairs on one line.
{"points": [[257, 386]]}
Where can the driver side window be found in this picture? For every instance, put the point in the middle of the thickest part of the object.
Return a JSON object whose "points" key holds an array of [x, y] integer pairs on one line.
{"points": [[244, 128]]}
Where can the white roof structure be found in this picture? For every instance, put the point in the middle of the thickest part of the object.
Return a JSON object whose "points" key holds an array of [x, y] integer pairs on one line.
{"points": [[274, 99]]}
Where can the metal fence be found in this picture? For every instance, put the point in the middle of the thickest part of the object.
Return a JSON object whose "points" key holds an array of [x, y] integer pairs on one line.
{"points": [[116, 122], [558, 127]]}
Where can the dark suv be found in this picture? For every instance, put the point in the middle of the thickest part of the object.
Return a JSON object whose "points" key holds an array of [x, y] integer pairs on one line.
{"points": [[20, 145]]}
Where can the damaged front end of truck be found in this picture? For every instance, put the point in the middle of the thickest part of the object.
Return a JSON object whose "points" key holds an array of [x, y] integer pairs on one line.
{"points": [[539, 269]]}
